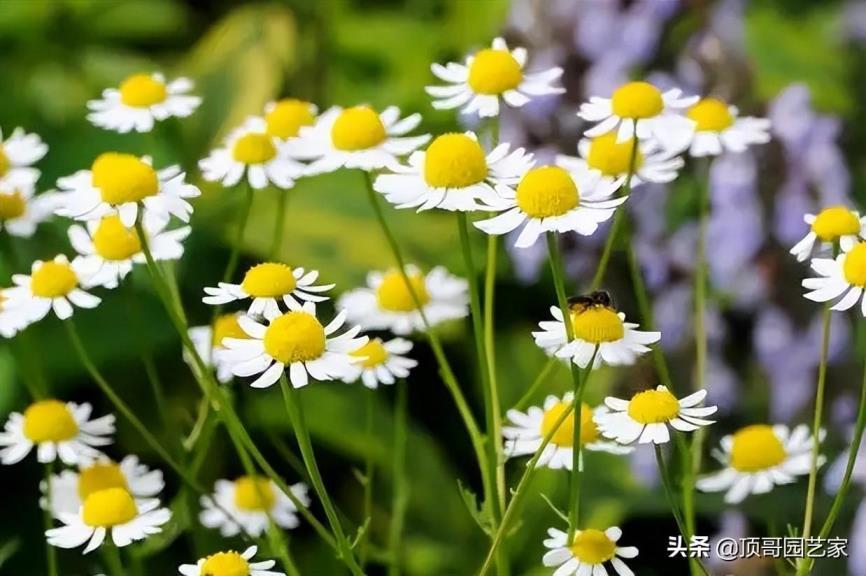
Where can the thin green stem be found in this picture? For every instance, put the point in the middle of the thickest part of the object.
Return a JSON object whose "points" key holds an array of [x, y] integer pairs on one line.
{"points": [[111, 556], [279, 223], [539, 381], [234, 256], [368, 480], [490, 353], [400, 482], [50, 552]]}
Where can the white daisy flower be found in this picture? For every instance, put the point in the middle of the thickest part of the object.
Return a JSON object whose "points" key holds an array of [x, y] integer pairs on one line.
{"points": [[833, 224], [454, 173], [21, 211], [641, 108], [11, 321], [110, 512], [553, 199], [530, 428], [267, 284], [231, 563], [648, 414], [208, 343], [250, 501], [17, 154], [757, 458], [718, 128], [297, 340], [587, 554], [595, 326], [381, 362], [108, 249], [356, 137], [285, 118], [57, 429], [251, 149], [487, 76], [843, 277], [70, 487], [140, 101], [53, 285], [117, 183], [386, 302]]}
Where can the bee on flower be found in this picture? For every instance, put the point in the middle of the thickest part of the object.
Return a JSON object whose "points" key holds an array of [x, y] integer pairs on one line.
{"points": [[18, 153], [231, 563], [587, 553], [285, 118], [54, 285], [140, 101], [719, 128], [381, 362], [834, 224], [208, 342], [843, 277], [250, 503]]}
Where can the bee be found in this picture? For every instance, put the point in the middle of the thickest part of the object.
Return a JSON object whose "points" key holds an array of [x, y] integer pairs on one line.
{"points": [[598, 298]]}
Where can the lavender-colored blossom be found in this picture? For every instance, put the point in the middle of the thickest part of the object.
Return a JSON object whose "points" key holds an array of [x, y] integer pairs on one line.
{"points": [[854, 21], [721, 384], [647, 207], [792, 202], [672, 309], [857, 553], [644, 466], [732, 524]]}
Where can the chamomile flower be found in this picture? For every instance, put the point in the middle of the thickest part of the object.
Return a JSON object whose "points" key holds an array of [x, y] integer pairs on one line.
{"points": [[21, 211], [230, 563], [356, 137], [108, 249], [833, 224], [53, 285], [531, 427], [267, 284], [454, 173], [595, 326], [140, 101], [11, 321], [587, 553], [71, 487], [387, 303], [639, 108], [17, 154], [208, 343], [612, 160], [119, 183], [648, 414], [252, 150], [719, 128], [285, 118], [56, 429], [247, 503], [552, 199], [110, 512], [487, 76], [295, 340], [757, 458], [381, 362], [843, 277]]}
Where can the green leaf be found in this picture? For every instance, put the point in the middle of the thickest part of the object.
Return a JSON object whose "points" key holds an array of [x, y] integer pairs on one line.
{"points": [[479, 513]]}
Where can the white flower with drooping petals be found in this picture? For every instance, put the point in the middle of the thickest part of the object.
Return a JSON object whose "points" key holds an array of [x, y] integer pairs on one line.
{"points": [[833, 224], [381, 362], [53, 285], [208, 343], [17, 154], [719, 128], [140, 101], [843, 277], [230, 563], [250, 503], [587, 553], [21, 211]]}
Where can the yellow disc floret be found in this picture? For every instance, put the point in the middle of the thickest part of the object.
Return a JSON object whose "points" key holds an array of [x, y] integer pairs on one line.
{"points": [[637, 100], [564, 435], [12, 205], [756, 448], [711, 115], [373, 353], [613, 158], [142, 90], [593, 547], [49, 421], [114, 241], [53, 279], [295, 337], [393, 293], [597, 324], [254, 148], [100, 476], [123, 178], [653, 407], [108, 508], [494, 72], [834, 222], [854, 266], [547, 191], [226, 326], [4, 161], [269, 280], [357, 128], [454, 161], [254, 494], [225, 564], [287, 116]]}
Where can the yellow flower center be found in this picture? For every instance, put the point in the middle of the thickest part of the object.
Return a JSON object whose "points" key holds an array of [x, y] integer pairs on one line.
{"points": [[12, 205], [4, 161], [653, 407], [564, 435], [373, 352], [711, 115], [53, 279], [269, 280], [114, 241], [547, 191], [393, 293], [854, 265], [226, 326], [254, 494], [610, 157], [836, 221], [295, 337], [287, 116], [357, 128], [49, 421], [597, 324], [454, 161], [109, 507], [254, 148], [593, 547], [98, 477], [637, 100], [123, 178], [494, 72], [756, 448], [142, 90], [225, 564]]}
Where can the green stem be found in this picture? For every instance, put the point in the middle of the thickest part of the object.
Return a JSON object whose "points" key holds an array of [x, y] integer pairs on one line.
{"points": [[490, 353], [50, 552], [368, 480], [537, 383], [400, 496], [279, 223], [111, 556], [234, 256]]}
